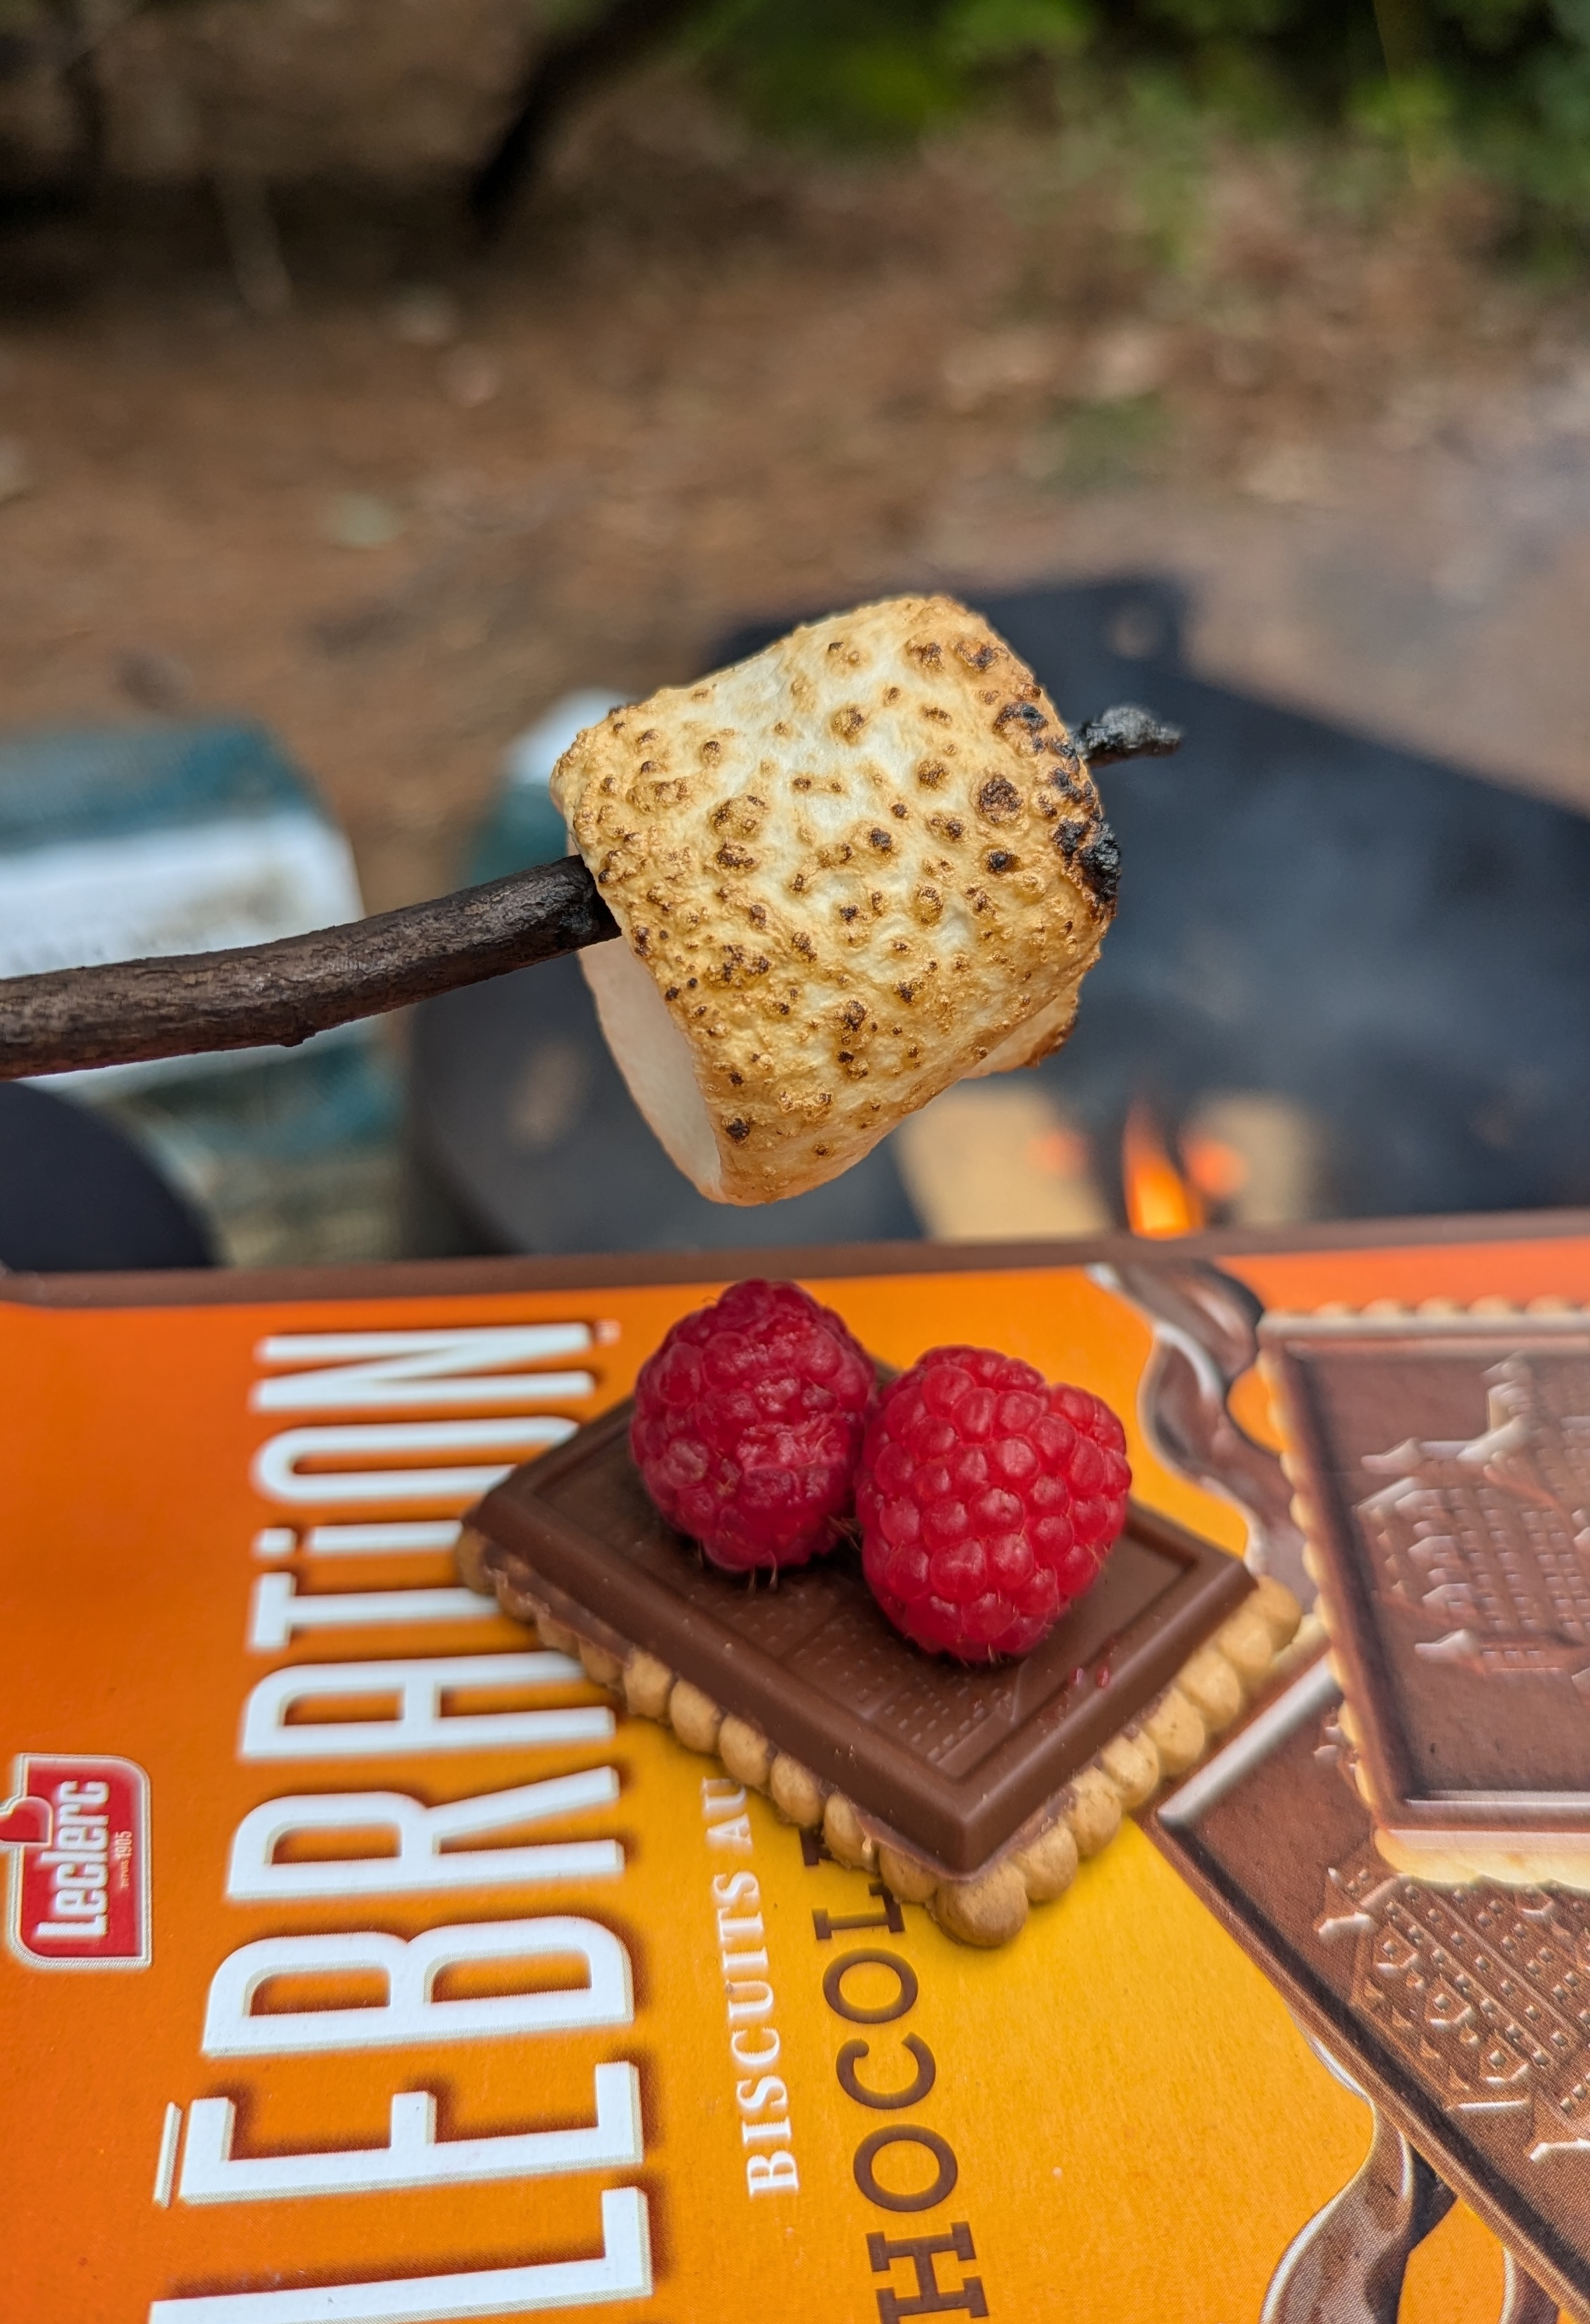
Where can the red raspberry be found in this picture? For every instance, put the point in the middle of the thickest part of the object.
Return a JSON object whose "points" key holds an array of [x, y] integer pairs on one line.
{"points": [[748, 1424], [987, 1500]]}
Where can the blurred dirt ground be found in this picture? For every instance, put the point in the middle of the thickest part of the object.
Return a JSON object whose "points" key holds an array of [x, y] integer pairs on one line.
{"points": [[702, 381]]}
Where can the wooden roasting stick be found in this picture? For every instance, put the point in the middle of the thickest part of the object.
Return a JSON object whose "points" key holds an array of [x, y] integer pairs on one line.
{"points": [[281, 993], [253, 996]]}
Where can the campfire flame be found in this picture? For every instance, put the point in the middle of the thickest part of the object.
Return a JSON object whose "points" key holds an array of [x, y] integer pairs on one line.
{"points": [[1214, 1165], [1159, 1201]]}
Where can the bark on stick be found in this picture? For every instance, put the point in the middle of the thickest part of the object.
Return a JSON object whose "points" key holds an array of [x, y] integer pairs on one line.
{"points": [[257, 995]]}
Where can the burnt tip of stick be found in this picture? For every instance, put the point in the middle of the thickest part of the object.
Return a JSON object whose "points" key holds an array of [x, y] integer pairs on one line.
{"points": [[1125, 730]]}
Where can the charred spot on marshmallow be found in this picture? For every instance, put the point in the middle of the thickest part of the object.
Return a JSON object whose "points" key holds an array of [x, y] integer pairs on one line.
{"points": [[1101, 863], [999, 799]]}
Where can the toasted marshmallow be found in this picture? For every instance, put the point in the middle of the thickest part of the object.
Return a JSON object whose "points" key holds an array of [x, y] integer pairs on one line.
{"points": [[847, 872]]}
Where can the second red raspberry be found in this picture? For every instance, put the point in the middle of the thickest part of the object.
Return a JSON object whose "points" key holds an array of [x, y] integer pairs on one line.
{"points": [[987, 1500]]}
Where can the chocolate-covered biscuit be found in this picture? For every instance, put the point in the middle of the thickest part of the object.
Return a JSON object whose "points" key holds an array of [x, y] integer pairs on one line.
{"points": [[1441, 1465], [1460, 2012], [972, 1789]]}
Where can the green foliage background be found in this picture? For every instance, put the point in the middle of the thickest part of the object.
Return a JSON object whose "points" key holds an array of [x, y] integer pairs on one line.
{"points": [[1500, 89], [1502, 86]]}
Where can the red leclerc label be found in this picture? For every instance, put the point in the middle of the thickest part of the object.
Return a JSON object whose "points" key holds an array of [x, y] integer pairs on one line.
{"points": [[77, 1831]]}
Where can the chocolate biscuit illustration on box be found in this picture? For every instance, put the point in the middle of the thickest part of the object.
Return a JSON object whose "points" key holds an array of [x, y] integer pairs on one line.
{"points": [[1206, 1328], [1459, 2014], [1441, 1472], [1429, 1922]]}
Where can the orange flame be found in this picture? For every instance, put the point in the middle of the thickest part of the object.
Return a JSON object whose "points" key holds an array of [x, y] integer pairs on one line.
{"points": [[1214, 1167], [1159, 1199]]}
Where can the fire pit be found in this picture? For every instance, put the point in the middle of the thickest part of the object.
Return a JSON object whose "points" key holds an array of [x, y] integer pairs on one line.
{"points": [[1396, 949]]}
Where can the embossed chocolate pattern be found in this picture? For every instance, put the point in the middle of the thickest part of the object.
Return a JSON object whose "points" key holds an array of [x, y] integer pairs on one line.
{"points": [[1449, 1471], [1466, 2013], [953, 1758]]}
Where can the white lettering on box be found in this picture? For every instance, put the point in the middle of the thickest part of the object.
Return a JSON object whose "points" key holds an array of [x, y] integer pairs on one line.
{"points": [[252, 1873], [409, 2013], [279, 1611], [420, 1724], [732, 1929], [277, 1474], [78, 1864], [738, 1898], [374, 1388], [771, 2174], [387, 1371], [166, 2164], [751, 2097], [384, 1538], [318, 1711], [622, 2271], [85, 1832], [736, 1888], [413, 2156], [83, 1903]]}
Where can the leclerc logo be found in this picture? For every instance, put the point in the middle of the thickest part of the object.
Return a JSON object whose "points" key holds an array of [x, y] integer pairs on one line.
{"points": [[78, 1832]]}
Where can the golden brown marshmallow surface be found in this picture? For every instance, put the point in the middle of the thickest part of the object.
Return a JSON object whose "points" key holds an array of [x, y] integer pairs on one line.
{"points": [[847, 872]]}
